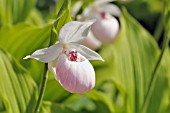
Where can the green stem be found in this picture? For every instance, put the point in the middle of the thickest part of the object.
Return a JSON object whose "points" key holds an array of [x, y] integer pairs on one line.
{"points": [[45, 75], [154, 74], [159, 28], [42, 89]]}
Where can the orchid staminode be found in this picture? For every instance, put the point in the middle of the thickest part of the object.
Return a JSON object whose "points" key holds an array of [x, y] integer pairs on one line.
{"points": [[68, 60]]}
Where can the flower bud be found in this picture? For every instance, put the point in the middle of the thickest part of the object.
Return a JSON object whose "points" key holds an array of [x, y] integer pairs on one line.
{"points": [[105, 28]]}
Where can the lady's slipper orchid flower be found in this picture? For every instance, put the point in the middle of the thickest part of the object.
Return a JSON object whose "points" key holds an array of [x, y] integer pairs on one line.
{"points": [[106, 28], [68, 60]]}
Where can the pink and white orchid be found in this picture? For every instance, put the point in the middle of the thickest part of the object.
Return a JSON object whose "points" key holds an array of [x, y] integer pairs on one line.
{"points": [[106, 27], [68, 60]]}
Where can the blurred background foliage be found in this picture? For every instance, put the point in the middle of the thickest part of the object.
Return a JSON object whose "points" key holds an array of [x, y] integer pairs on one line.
{"points": [[122, 81]]}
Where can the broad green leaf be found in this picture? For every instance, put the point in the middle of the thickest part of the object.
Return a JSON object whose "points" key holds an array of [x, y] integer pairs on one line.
{"points": [[3, 104], [103, 103], [51, 107], [78, 103], [35, 18], [14, 11], [92, 102], [61, 6], [152, 8], [159, 91], [54, 91], [129, 63], [17, 88], [165, 102], [23, 39], [113, 92]]}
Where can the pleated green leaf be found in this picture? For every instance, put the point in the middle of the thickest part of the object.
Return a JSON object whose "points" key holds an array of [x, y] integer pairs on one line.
{"points": [[3, 104], [51, 107], [164, 107], [79, 103], [23, 39], [54, 91], [129, 63], [17, 88], [103, 103], [61, 6], [92, 102], [14, 11]]}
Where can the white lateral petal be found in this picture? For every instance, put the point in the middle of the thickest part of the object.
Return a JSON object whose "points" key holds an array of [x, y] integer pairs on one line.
{"points": [[86, 52], [90, 12], [47, 54], [52, 67], [76, 8], [111, 9], [87, 12], [74, 31], [102, 2]]}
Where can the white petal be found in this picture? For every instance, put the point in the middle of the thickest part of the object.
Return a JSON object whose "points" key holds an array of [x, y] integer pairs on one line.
{"points": [[74, 31], [52, 67], [86, 52], [111, 9], [89, 13], [46, 54], [76, 8], [75, 77], [102, 2]]}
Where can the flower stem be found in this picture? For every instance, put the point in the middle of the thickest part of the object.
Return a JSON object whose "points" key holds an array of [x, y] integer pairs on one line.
{"points": [[45, 75], [42, 89], [159, 28], [154, 74]]}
